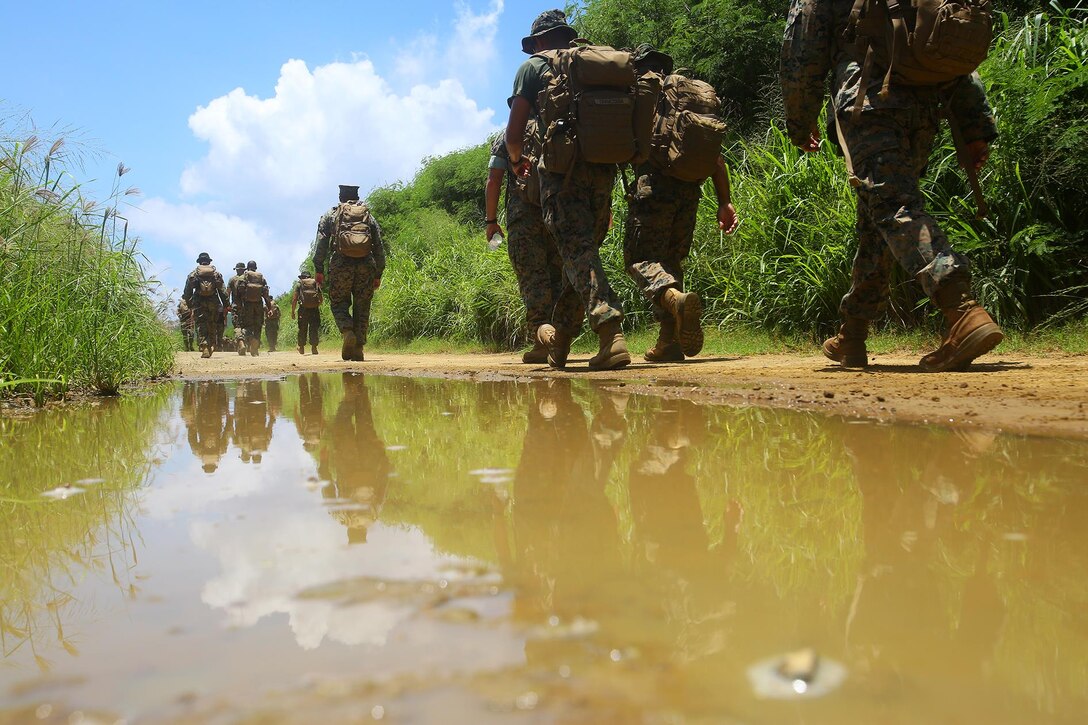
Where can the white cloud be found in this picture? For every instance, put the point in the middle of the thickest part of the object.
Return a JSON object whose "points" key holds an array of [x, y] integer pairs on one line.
{"points": [[272, 164]]}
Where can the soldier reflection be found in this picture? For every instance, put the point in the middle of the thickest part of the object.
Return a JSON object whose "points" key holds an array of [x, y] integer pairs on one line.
{"points": [[355, 462], [310, 420], [206, 412], [565, 558], [253, 421], [672, 546], [925, 587]]}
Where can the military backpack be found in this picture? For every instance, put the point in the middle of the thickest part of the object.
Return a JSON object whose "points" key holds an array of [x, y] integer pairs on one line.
{"points": [[207, 280], [920, 42], [688, 132], [594, 108], [309, 294], [253, 286], [353, 236]]}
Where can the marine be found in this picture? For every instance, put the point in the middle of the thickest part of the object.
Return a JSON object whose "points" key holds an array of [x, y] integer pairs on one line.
{"points": [[252, 302], [306, 301], [185, 322], [530, 246], [885, 130], [205, 296], [236, 303], [659, 231], [272, 326], [576, 208], [349, 237]]}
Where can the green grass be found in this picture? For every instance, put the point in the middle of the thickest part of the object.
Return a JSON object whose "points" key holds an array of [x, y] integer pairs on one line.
{"points": [[75, 305]]}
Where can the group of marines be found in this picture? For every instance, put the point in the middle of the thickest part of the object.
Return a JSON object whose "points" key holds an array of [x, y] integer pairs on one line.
{"points": [[556, 222]]}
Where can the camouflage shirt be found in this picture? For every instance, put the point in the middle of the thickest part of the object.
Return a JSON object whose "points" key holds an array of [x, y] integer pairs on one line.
{"points": [[326, 229], [233, 290], [810, 51]]}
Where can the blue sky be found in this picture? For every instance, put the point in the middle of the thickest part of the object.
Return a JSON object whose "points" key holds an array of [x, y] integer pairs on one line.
{"points": [[239, 119]]}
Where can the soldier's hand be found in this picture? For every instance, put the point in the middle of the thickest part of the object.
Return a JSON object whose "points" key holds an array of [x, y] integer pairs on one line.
{"points": [[977, 153], [813, 143], [377, 283], [320, 277], [292, 314], [522, 168], [492, 230], [728, 219]]}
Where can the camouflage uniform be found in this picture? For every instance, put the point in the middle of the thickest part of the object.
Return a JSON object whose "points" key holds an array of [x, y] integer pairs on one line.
{"points": [[350, 280], [248, 316], [657, 238], [531, 247], [577, 209], [309, 319], [272, 327], [185, 322], [888, 144], [207, 310], [234, 292]]}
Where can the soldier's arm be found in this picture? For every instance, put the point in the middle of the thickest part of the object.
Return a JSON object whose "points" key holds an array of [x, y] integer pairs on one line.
{"points": [[378, 248], [294, 301], [321, 248], [968, 104], [804, 65], [187, 293], [727, 215]]}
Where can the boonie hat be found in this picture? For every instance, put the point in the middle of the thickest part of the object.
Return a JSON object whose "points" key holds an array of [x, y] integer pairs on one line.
{"points": [[546, 22], [646, 53]]}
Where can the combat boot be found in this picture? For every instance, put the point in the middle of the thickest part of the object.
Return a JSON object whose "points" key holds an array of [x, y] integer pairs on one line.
{"points": [[348, 346], [205, 351], [240, 347], [971, 332], [557, 341], [301, 349], [848, 346], [313, 349], [536, 355], [254, 347], [357, 354], [687, 309], [667, 348], [612, 353]]}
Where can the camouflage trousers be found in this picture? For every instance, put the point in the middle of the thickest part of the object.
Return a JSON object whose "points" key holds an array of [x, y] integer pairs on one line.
{"points": [[658, 234], [188, 333], [535, 260], [351, 288], [889, 149], [207, 313], [248, 321], [272, 333], [577, 209], [309, 324]]}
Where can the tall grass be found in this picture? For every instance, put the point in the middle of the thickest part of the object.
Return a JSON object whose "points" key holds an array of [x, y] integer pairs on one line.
{"points": [[75, 305]]}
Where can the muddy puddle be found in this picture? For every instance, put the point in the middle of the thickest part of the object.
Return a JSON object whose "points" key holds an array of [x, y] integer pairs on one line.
{"points": [[341, 548]]}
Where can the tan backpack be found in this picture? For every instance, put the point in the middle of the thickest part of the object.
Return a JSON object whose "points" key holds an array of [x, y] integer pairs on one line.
{"points": [[688, 133], [309, 294], [207, 280], [253, 286], [918, 43], [594, 108], [353, 237]]}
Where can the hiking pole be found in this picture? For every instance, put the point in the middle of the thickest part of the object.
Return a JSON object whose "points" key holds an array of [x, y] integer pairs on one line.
{"points": [[968, 164]]}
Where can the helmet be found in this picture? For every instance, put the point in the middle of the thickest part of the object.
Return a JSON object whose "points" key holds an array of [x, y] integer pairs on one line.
{"points": [[203, 258], [251, 265]]}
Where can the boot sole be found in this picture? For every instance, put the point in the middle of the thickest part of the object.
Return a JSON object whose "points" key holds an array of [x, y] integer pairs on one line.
{"points": [[689, 312], [978, 343], [613, 362]]}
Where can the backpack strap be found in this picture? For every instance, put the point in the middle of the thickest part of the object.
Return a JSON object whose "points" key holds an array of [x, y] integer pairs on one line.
{"points": [[856, 13]]}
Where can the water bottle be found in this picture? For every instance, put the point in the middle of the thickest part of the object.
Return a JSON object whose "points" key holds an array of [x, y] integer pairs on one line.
{"points": [[495, 242]]}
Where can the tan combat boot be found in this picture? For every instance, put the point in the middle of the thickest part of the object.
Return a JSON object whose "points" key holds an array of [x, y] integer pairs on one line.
{"points": [[612, 353], [205, 351], [240, 346], [848, 346], [557, 342], [537, 355], [313, 349], [301, 350], [357, 353], [971, 333], [254, 347], [348, 346], [667, 348], [687, 309]]}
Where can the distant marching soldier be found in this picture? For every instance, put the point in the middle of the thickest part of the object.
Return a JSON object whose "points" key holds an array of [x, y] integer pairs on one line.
{"points": [[272, 326], [206, 297], [233, 291], [307, 295], [185, 321], [255, 304]]}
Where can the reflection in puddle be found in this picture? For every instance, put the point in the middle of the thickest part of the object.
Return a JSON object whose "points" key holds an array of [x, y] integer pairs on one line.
{"points": [[475, 552]]}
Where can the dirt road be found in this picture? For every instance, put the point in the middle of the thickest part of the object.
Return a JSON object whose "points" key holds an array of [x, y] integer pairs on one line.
{"points": [[1034, 395]]}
